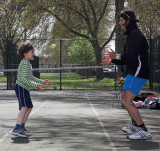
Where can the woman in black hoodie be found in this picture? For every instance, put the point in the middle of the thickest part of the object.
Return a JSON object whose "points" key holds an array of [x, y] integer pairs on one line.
{"points": [[135, 57]]}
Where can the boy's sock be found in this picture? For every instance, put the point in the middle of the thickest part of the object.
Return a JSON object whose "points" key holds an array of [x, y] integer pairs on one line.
{"points": [[23, 125], [17, 127], [143, 127], [134, 123]]}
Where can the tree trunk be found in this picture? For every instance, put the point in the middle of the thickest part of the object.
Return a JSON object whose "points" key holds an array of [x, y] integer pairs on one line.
{"points": [[98, 57], [99, 73], [120, 39]]}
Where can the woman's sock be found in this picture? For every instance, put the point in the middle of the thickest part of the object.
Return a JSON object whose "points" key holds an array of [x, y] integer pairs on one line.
{"points": [[143, 127], [134, 123]]}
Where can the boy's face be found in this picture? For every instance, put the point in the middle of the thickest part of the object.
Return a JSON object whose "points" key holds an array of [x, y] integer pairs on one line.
{"points": [[29, 55]]}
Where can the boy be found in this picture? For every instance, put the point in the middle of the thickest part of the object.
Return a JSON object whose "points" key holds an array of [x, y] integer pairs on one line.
{"points": [[25, 80]]}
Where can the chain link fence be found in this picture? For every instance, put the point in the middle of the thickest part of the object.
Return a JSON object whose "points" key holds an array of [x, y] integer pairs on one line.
{"points": [[71, 53], [155, 64]]}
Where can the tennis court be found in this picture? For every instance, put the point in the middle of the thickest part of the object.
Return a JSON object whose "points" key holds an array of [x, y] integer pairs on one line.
{"points": [[73, 120], [75, 51]]}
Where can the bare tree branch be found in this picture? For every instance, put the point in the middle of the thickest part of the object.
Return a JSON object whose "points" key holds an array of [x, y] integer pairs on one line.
{"points": [[65, 25], [75, 11], [87, 18], [20, 35], [110, 38], [94, 14], [103, 11]]}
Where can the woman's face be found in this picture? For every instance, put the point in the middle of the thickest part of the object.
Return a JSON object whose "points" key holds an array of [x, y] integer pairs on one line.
{"points": [[123, 23]]}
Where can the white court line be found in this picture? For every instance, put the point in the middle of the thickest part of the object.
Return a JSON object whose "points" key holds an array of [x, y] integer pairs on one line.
{"points": [[102, 125], [2, 139]]}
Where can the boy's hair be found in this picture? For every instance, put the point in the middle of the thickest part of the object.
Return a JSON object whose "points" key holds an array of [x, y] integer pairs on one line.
{"points": [[24, 47]]}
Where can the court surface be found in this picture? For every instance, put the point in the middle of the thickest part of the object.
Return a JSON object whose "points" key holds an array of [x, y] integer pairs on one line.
{"points": [[73, 121]]}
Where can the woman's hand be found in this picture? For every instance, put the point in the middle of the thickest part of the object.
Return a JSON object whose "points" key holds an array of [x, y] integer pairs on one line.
{"points": [[110, 54]]}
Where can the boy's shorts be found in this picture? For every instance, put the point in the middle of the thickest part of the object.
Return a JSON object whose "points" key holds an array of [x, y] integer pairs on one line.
{"points": [[23, 96], [134, 84]]}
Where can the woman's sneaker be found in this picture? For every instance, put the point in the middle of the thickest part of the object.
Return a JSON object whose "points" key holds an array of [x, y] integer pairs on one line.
{"points": [[141, 134], [130, 129]]}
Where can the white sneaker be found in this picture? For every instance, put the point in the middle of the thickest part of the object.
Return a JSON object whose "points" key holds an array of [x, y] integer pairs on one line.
{"points": [[140, 134], [130, 129]]}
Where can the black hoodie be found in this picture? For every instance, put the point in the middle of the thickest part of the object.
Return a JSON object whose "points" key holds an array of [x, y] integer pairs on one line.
{"points": [[135, 54]]}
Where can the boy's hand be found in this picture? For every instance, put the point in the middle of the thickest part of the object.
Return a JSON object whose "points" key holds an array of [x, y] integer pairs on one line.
{"points": [[106, 62], [48, 82], [39, 86]]}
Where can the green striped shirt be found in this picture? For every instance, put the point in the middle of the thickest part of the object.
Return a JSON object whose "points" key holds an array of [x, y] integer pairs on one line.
{"points": [[25, 76]]}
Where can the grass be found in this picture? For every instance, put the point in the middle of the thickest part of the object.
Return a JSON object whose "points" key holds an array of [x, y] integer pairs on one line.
{"points": [[76, 81], [2, 78]]}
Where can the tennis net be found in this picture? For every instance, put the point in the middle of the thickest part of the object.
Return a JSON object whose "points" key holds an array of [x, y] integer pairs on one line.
{"points": [[67, 78]]}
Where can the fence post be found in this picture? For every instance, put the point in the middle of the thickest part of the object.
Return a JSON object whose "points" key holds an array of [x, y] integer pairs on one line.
{"points": [[60, 65], [115, 85]]}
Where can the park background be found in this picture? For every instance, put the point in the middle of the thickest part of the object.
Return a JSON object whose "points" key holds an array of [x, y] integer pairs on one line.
{"points": [[82, 30]]}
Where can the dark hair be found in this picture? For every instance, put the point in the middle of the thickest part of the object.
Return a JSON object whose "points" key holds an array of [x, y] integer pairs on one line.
{"points": [[128, 14], [24, 47]]}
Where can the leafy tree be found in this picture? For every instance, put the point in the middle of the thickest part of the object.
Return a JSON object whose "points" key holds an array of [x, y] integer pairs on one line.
{"points": [[148, 12], [81, 52], [18, 20], [82, 14]]}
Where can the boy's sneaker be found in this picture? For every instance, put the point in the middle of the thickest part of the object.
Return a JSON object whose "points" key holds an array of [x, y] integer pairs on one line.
{"points": [[21, 133], [141, 134], [26, 130], [15, 132], [130, 129]]}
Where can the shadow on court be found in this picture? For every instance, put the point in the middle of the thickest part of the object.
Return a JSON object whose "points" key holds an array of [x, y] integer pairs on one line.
{"points": [[75, 120], [143, 145], [19, 140]]}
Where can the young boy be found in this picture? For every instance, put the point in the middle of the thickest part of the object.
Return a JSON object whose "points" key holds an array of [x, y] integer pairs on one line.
{"points": [[25, 80]]}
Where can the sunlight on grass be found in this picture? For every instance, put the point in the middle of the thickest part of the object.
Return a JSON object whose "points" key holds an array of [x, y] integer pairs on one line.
{"points": [[76, 81]]}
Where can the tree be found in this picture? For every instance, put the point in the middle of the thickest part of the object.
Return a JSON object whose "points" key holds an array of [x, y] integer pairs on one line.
{"points": [[148, 12], [10, 14], [18, 20], [81, 52], [81, 14], [119, 43]]}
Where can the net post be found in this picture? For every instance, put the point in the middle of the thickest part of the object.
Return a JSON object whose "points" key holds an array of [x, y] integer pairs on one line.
{"points": [[60, 65], [115, 85], [7, 62]]}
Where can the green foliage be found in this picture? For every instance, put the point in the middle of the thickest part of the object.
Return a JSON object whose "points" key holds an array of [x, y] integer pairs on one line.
{"points": [[81, 51], [148, 12]]}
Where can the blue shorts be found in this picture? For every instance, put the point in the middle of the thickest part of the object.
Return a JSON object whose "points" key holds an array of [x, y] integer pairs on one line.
{"points": [[23, 96], [134, 84]]}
